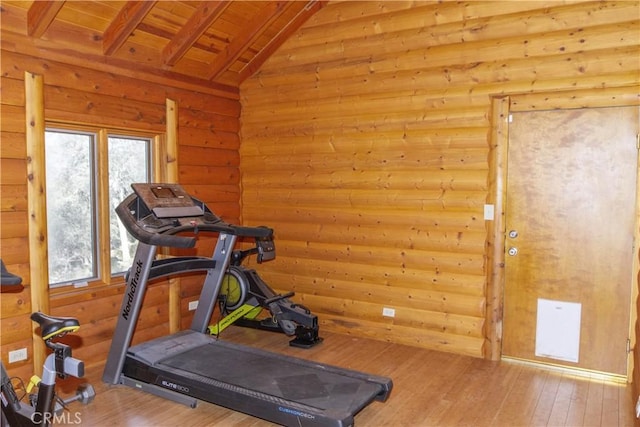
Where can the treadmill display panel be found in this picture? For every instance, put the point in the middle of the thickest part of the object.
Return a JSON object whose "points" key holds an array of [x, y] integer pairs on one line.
{"points": [[167, 200]]}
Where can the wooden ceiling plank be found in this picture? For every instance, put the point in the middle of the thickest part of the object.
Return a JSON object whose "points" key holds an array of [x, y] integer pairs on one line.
{"points": [[197, 24], [40, 15], [248, 35], [256, 62], [124, 24]]}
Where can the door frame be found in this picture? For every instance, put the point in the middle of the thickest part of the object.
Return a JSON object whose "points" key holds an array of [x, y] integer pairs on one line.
{"points": [[501, 108]]}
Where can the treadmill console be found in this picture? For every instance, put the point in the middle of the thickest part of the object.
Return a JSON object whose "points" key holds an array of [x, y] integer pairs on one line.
{"points": [[167, 200], [155, 213]]}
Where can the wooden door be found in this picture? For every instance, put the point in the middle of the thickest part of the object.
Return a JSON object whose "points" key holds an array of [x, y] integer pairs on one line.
{"points": [[570, 211]]}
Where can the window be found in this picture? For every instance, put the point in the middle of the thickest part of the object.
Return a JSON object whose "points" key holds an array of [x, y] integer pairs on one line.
{"points": [[128, 163], [87, 170]]}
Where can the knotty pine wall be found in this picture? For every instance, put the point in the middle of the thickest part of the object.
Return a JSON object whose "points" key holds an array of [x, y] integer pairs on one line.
{"points": [[365, 144], [208, 168]]}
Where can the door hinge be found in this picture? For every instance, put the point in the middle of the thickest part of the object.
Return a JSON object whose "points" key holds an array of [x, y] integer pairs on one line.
{"points": [[629, 349]]}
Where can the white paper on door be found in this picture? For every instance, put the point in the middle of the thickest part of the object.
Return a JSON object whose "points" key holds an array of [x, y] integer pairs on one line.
{"points": [[558, 330]]}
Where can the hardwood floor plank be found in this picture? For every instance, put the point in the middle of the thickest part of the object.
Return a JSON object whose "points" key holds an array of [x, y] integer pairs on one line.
{"points": [[520, 405], [578, 404], [473, 394], [417, 387], [593, 408], [547, 398], [438, 400], [561, 405], [610, 403], [497, 391], [430, 389], [626, 406]]}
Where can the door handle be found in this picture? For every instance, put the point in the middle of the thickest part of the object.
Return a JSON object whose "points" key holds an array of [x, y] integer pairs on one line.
{"points": [[513, 251]]}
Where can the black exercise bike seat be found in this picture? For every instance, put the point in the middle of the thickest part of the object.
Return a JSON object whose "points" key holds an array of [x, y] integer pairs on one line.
{"points": [[51, 326], [8, 278]]}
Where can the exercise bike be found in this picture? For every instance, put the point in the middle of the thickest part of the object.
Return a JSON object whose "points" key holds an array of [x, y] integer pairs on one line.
{"points": [[243, 296], [45, 406]]}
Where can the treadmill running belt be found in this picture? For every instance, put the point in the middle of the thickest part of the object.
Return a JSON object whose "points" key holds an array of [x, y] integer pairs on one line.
{"points": [[311, 385]]}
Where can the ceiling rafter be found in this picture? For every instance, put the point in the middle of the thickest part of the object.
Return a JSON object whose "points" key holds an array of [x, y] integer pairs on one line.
{"points": [[312, 7], [124, 24], [207, 42], [249, 34], [40, 15], [197, 24]]}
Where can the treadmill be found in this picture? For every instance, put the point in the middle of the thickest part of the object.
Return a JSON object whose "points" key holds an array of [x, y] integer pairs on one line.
{"points": [[191, 365]]}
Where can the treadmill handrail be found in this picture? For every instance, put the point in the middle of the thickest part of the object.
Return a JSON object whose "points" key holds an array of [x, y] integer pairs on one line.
{"points": [[127, 207]]}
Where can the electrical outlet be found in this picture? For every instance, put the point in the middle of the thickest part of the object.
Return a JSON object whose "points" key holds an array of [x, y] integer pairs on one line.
{"points": [[17, 355], [193, 305], [388, 312]]}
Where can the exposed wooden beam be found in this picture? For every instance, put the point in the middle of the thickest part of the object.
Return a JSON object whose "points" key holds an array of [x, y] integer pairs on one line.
{"points": [[124, 23], [197, 24], [311, 8], [48, 51], [40, 15], [248, 35], [36, 203], [169, 166]]}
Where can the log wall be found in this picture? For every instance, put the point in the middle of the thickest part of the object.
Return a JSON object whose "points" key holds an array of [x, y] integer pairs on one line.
{"points": [[81, 92], [365, 144]]}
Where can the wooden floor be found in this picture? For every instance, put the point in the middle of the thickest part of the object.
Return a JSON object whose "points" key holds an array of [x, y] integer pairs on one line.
{"points": [[430, 389]]}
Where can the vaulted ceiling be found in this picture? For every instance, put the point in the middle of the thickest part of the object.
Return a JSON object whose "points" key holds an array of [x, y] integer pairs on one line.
{"points": [[202, 42]]}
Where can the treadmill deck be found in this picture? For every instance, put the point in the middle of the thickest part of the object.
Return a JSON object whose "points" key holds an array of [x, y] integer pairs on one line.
{"points": [[283, 389]]}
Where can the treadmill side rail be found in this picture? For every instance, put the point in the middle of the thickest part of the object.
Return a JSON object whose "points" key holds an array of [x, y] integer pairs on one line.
{"points": [[160, 392]]}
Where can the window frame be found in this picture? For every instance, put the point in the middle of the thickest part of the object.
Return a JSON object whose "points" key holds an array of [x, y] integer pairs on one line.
{"points": [[95, 214], [156, 150]]}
